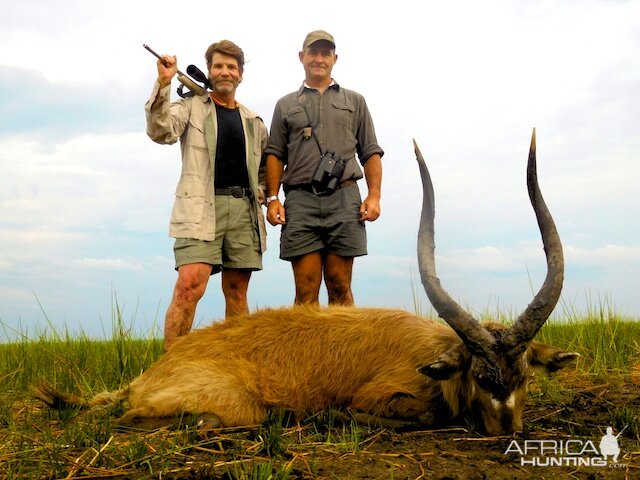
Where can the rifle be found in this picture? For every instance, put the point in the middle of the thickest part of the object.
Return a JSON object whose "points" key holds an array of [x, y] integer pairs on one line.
{"points": [[620, 433], [195, 73]]}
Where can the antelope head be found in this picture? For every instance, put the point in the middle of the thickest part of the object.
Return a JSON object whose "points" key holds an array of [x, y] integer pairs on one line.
{"points": [[494, 360]]}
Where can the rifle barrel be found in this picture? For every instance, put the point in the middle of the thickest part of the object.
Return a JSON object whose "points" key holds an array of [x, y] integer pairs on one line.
{"points": [[159, 57], [625, 427]]}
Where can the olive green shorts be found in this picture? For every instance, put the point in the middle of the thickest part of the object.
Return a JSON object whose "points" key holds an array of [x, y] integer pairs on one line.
{"points": [[237, 243], [328, 223]]}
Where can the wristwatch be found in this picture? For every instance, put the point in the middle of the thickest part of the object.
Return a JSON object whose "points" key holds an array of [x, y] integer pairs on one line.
{"points": [[271, 199]]}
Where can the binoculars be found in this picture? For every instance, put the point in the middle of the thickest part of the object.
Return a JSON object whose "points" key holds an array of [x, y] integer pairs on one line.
{"points": [[329, 172]]}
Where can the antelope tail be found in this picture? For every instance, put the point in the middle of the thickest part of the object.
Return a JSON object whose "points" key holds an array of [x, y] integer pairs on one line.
{"points": [[60, 400], [55, 399]]}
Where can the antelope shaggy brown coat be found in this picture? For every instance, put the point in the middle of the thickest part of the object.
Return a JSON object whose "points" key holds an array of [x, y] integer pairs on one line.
{"points": [[383, 365]]}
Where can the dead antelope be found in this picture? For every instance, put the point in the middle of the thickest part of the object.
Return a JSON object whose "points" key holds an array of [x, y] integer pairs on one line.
{"points": [[382, 364]]}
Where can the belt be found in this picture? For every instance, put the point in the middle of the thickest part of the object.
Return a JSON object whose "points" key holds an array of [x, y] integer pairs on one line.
{"points": [[236, 192], [316, 190]]}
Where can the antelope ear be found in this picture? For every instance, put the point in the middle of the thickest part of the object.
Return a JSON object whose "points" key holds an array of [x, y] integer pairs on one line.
{"points": [[548, 358], [439, 370], [445, 367]]}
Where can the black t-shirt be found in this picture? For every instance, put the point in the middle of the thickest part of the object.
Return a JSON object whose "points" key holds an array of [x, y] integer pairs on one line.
{"points": [[231, 164]]}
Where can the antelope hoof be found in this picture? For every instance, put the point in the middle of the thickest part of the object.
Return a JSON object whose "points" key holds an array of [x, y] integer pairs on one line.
{"points": [[208, 421]]}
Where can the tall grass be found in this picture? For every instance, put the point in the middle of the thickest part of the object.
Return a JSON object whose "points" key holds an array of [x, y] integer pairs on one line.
{"points": [[77, 362], [607, 341]]}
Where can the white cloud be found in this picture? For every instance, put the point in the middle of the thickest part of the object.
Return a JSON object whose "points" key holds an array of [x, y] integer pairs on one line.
{"points": [[87, 182], [108, 264], [85, 196], [608, 256]]}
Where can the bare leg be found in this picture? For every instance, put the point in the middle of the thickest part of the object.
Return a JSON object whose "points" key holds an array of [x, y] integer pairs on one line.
{"points": [[337, 277], [205, 421], [190, 286], [390, 402], [235, 283], [307, 274], [373, 420]]}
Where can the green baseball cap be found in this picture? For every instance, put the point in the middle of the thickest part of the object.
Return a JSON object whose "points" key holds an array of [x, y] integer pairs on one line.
{"points": [[317, 35]]}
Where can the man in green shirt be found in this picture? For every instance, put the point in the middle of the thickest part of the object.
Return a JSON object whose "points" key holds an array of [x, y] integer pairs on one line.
{"points": [[316, 133]]}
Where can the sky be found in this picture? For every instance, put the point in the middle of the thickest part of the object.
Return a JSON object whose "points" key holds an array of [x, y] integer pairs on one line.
{"points": [[85, 195]]}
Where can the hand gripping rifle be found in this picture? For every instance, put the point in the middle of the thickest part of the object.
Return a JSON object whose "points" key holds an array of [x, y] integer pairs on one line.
{"points": [[195, 74]]}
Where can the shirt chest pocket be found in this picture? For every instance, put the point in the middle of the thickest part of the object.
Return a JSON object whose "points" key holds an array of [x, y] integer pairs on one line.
{"points": [[296, 119], [195, 134], [343, 113]]}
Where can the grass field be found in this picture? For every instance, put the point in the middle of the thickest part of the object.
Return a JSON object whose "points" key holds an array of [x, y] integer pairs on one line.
{"points": [[602, 389]]}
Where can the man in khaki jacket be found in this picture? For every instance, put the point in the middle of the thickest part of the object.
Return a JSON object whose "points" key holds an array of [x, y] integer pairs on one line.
{"points": [[217, 218]]}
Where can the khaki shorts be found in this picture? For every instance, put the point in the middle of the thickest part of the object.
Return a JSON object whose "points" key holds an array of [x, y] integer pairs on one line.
{"points": [[237, 243], [330, 223]]}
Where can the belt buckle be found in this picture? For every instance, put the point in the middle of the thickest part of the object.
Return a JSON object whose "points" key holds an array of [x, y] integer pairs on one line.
{"points": [[237, 192], [318, 192]]}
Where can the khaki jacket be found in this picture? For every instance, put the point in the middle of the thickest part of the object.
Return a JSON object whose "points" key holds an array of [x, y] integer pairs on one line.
{"points": [[193, 121]]}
